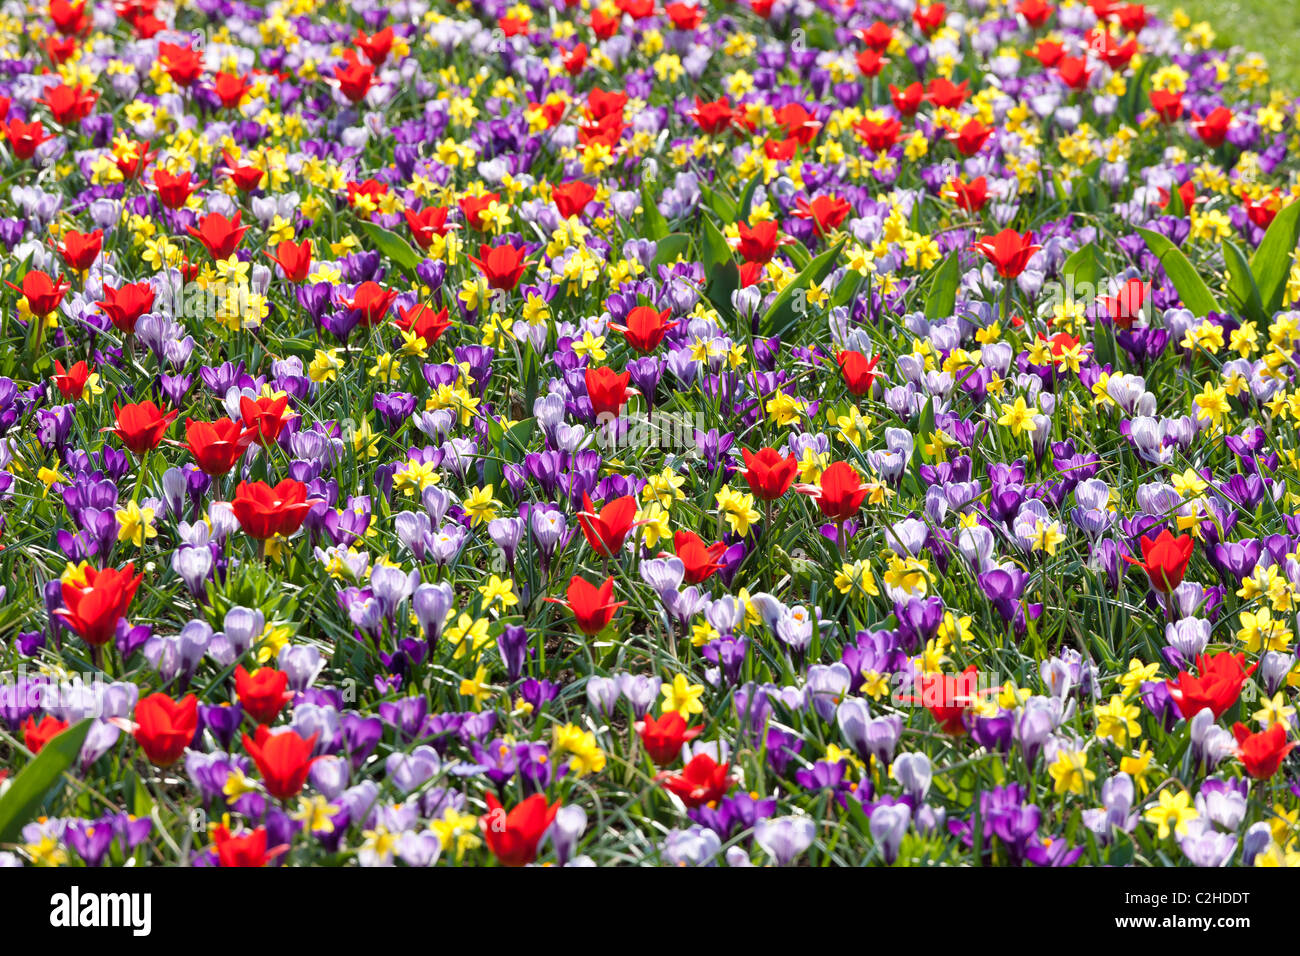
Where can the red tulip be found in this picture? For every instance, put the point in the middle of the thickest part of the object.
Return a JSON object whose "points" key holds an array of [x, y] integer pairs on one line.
{"points": [[571, 199], [1213, 129], [1217, 687], [1074, 72], [502, 266], [826, 212], [513, 837], [219, 235], [182, 63], [947, 95], [230, 89], [702, 782], [879, 135], [684, 16], [42, 293], [141, 426], [265, 414], [424, 322], [36, 736], [124, 306], [80, 249], [174, 190], [664, 738], [969, 197], [377, 46], [1009, 251], [870, 63], [69, 104], [71, 382], [841, 492], [758, 243], [1261, 754], [1047, 52], [262, 693], [93, 607], [264, 511], [69, 18], [947, 697], [593, 607], [283, 759], [713, 117], [907, 101], [1125, 307], [972, 136], [1165, 559], [859, 372], [24, 138], [607, 390], [605, 531], [353, 78], [426, 223], [471, 207], [216, 446], [768, 474], [700, 560], [293, 258], [644, 328], [165, 727], [930, 18], [1168, 106], [246, 849], [1035, 12], [372, 301]]}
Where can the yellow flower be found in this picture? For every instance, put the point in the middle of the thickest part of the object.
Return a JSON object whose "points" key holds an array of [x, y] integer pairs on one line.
{"points": [[476, 687], [682, 696], [315, 813], [1173, 812], [481, 506], [499, 589], [1138, 766], [856, 576], [1047, 535], [1018, 417], [1117, 720], [737, 508], [585, 754], [468, 636], [1070, 771], [135, 524]]}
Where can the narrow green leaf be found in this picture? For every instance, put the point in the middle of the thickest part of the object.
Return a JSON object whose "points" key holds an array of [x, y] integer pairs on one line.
{"points": [[22, 801], [1243, 295], [392, 246], [942, 298], [781, 316], [670, 247], [1271, 263], [1196, 295], [653, 223]]}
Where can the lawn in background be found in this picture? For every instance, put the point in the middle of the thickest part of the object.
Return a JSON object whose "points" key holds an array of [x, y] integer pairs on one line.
{"points": [[1268, 27]]}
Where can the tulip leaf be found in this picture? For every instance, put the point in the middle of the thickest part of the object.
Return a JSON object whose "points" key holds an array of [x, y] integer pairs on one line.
{"points": [[670, 247], [392, 246], [747, 197], [784, 313], [22, 801], [1083, 267], [1243, 294], [1271, 263], [941, 301], [1196, 295], [653, 223], [716, 249]]}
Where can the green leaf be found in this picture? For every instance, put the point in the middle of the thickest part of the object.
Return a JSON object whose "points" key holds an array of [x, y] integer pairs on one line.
{"points": [[716, 249], [653, 223], [392, 246], [670, 247], [747, 197], [1083, 266], [722, 204], [1271, 263], [722, 281], [1243, 294], [781, 316], [942, 298], [22, 801], [1196, 295]]}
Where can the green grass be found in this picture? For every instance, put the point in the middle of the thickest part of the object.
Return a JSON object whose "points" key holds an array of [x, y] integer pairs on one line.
{"points": [[1269, 27]]}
